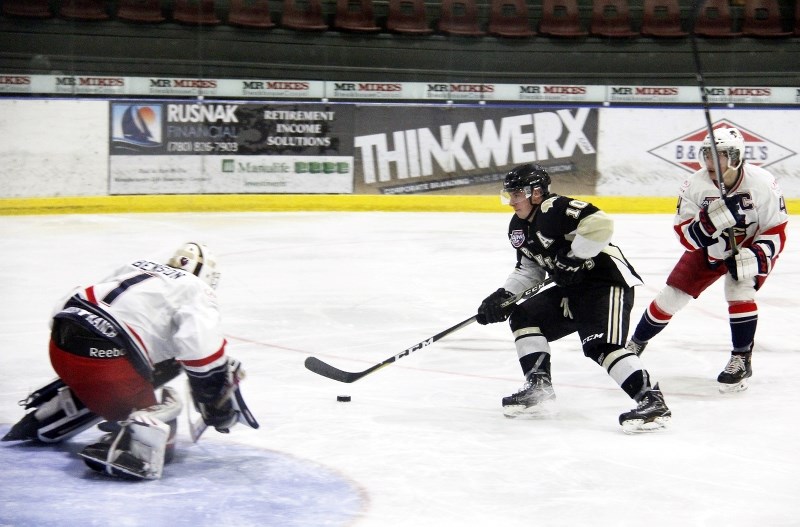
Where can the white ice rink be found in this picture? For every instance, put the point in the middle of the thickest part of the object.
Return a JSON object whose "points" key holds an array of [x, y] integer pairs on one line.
{"points": [[423, 442]]}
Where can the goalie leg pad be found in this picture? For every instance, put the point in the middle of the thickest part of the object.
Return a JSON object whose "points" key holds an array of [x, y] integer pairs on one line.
{"points": [[140, 448], [58, 415]]}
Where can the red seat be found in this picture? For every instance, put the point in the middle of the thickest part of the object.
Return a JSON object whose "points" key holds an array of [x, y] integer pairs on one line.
{"points": [[662, 18], [409, 17], [797, 18], [84, 10], [611, 18], [303, 15], [509, 18], [355, 15], [196, 12], [140, 10], [561, 18], [715, 20], [250, 13], [762, 18], [27, 8], [459, 17]]}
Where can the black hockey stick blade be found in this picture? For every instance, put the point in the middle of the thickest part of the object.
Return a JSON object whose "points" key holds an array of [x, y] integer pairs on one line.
{"points": [[326, 370]]}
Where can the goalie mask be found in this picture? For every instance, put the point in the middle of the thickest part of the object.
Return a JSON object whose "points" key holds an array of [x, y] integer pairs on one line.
{"points": [[198, 260], [729, 142], [530, 179]]}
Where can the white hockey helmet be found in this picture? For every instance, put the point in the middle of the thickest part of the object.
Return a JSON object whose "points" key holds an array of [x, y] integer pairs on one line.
{"points": [[730, 142], [198, 260]]}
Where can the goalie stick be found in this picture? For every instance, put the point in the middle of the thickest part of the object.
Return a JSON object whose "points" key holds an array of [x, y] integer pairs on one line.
{"points": [[701, 83], [326, 370]]}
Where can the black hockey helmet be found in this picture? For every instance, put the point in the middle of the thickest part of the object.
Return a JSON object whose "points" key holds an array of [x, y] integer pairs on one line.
{"points": [[526, 177]]}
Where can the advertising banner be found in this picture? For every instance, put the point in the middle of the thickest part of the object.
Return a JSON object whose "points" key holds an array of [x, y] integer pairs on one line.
{"points": [[649, 152], [226, 147], [468, 149]]}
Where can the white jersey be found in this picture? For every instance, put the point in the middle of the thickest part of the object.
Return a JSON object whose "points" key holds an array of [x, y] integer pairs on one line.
{"points": [[760, 200], [166, 312]]}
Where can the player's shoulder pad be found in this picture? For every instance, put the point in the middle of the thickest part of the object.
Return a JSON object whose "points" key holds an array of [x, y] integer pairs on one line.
{"points": [[554, 201]]}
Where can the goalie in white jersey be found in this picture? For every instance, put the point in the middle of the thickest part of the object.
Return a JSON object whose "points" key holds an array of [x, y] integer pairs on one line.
{"points": [[754, 210], [113, 342]]}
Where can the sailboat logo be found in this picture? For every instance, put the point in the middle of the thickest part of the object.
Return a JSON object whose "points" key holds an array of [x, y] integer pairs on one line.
{"points": [[136, 124]]}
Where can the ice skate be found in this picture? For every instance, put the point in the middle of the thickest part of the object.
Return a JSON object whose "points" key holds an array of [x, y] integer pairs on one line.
{"points": [[650, 415], [535, 399], [734, 377], [635, 347]]}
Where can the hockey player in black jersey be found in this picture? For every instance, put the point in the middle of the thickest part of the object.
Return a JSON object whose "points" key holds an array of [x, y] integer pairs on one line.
{"points": [[569, 239]]}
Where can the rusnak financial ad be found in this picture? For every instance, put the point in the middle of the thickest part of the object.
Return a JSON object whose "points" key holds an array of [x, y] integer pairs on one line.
{"points": [[225, 147]]}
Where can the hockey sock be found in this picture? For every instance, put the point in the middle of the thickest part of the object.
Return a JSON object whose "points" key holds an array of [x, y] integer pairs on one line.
{"points": [[652, 322], [743, 317], [535, 362]]}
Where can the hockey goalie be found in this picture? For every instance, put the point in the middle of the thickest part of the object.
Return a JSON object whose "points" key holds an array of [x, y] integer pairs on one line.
{"points": [[116, 343]]}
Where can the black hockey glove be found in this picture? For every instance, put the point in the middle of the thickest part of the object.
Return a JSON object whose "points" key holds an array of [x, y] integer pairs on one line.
{"points": [[491, 309], [212, 398], [568, 270]]}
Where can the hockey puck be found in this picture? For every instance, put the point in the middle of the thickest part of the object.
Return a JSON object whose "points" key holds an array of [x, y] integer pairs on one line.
{"points": [[343, 398]]}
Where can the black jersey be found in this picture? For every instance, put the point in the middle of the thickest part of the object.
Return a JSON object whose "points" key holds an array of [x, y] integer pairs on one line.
{"points": [[550, 230]]}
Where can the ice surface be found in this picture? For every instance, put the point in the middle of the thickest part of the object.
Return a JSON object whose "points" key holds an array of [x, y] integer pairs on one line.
{"points": [[423, 441]]}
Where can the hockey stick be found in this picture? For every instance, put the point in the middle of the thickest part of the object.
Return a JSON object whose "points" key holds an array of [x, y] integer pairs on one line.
{"points": [[326, 370], [701, 83]]}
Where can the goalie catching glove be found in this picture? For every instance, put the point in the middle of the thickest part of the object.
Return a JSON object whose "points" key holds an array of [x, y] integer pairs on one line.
{"points": [[217, 397]]}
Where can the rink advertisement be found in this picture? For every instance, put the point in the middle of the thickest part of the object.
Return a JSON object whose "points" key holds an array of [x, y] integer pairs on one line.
{"points": [[224, 147], [468, 149]]}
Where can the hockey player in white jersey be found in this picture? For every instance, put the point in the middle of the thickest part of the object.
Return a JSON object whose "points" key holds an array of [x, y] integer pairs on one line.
{"points": [[114, 342], [755, 211]]}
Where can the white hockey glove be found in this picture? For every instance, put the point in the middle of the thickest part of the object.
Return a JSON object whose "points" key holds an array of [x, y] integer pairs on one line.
{"points": [[748, 263], [719, 215]]}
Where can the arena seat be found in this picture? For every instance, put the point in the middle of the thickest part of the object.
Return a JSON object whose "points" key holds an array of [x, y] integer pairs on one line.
{"points": [[561, 18], [762, 18], [303, 15], [408, 17], [195, 12], [797, 18], [662, 19], [84, 10], [355, 15], [140, 11], [611, 18], [459, 17], [715, 20], [509, 18], [27, 8], [252, 13]]}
